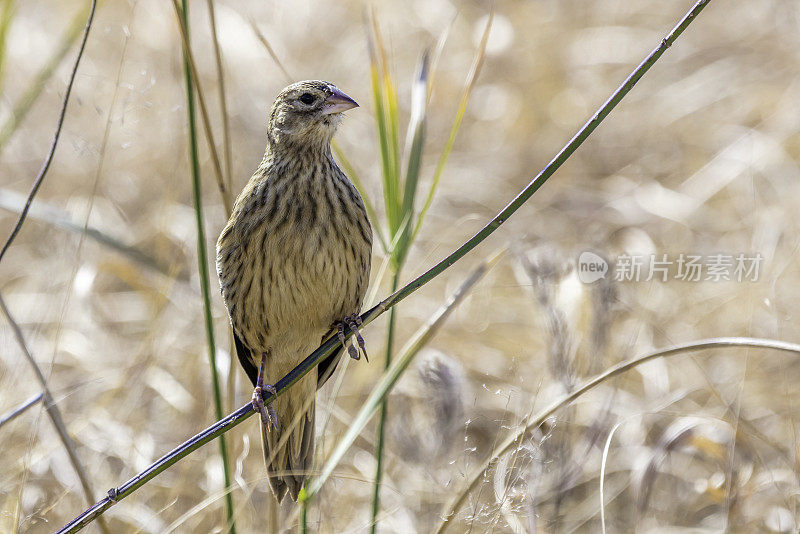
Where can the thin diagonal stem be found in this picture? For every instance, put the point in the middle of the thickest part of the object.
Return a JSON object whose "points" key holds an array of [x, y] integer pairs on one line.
{"points": [[59, 124], [183, 26], [52, 409], [333, 343], [223, 105], [287, 77], [19, 410]]}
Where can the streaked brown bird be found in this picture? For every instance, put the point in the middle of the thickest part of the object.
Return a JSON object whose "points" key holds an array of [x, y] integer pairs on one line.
{"points": [[293, 264]]}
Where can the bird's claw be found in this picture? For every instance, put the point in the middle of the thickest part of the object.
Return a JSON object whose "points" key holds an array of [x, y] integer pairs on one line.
{"points": [[268, 415], [351, 350], [353, 322]]}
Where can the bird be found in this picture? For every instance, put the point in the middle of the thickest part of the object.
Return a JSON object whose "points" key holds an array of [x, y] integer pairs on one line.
{"points": [[293, 263]]}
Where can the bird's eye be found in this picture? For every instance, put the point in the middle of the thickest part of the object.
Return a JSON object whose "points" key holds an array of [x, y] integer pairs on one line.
{"points": [[307, 98]]}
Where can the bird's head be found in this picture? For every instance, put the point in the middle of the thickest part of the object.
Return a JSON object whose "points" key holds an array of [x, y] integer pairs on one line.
{"points": [[307, 113]]}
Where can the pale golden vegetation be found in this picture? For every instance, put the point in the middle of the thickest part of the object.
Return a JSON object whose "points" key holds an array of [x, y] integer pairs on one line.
{"points": [[700, 158]]}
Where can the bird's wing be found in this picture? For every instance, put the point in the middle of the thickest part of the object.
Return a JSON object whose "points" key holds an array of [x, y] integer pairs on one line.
{"points": [[324, 370], [246, 359]]}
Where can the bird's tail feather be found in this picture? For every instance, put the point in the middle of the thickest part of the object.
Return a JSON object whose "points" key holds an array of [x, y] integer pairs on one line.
{"points": [[289, 452]]}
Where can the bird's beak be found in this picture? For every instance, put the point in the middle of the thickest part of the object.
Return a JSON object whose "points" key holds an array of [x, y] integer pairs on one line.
{"points": [[338, 102]]}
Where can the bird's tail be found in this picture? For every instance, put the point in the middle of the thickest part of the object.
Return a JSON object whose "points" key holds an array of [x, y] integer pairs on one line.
{"points": [[289, 452]]}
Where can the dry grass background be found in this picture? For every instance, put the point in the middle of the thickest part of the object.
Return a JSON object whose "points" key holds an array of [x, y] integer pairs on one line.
{"points": [[701, 158]]}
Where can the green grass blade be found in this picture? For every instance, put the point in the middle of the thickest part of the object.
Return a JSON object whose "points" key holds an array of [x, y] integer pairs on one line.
{"points": [[384, 85], [383, 136], [390, 94], [415, 145], [380, 440], [393, 131], [390, 100], [451, 139], [202, 263], [391, 376]]}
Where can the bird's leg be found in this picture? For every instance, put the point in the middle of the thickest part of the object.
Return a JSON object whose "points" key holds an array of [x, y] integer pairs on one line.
{"points": [[351, 349], [268, 415], [353, 322]]}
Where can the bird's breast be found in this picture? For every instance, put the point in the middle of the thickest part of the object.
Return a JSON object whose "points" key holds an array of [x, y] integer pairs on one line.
{"points": [[304, 261]]}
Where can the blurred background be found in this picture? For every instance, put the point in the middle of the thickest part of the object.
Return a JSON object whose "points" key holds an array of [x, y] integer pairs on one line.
{"points": [[700, 159]]}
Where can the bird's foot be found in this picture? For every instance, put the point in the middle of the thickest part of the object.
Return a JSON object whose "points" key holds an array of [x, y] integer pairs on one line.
{"points": [[268, 415], [352, 322]]}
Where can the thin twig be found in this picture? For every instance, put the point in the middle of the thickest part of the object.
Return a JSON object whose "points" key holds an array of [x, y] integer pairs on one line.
{"points": [[512, 440], [52, 409], [223, 106], [19, 410], [332, 344], [287, 77], [49, 158], [212, 146]]}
